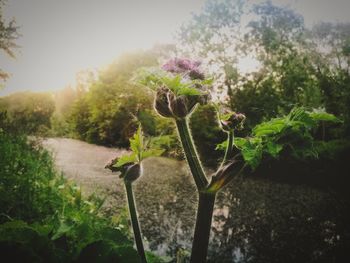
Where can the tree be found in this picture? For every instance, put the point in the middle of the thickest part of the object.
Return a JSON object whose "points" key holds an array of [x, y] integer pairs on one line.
{"points": [[28, 112], [227, 31], [8, 36], [108, 110]]}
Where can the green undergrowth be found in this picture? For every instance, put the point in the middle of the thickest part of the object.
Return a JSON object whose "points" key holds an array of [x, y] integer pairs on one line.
{"points": [[45, 218]]}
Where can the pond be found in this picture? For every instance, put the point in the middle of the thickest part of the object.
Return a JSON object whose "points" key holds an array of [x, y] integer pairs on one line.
{"points": [[166, 195], [250, 218]]}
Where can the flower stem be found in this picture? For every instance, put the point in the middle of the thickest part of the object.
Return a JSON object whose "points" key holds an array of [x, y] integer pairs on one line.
{"points": [[191, 154], [229, 148], [134, 221], [202, 229]]}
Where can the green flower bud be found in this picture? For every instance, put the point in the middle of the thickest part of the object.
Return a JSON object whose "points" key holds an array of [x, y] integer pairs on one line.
{"points": [[161, 103], [232, 121], [167, 104], [128, 171], [133, 172], [179, 106]]}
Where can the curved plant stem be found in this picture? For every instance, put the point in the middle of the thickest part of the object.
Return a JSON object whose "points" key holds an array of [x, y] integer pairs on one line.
{"points": [[191, 154], [229, 147], [202, 229], [134, 221]]}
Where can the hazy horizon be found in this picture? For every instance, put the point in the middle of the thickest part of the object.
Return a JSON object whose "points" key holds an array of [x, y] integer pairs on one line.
{"points": [[61, 38]]}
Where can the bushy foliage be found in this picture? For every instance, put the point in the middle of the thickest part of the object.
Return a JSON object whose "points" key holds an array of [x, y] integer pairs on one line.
{"points": [[8, 35], [45, 218], [109, 111], [292, 135], [294, 205], [27, 112], [295, 66]]}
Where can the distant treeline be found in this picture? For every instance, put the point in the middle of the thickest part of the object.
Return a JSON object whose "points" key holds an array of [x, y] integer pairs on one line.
{"points": [[298, 67]]}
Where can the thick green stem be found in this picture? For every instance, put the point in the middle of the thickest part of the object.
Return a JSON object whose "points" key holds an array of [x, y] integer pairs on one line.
{"points": [[134, 221], [191, 154], [202, 229]]}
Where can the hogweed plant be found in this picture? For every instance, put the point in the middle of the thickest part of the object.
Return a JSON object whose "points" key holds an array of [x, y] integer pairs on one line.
{"points": [[130, 168], [179, 88]]}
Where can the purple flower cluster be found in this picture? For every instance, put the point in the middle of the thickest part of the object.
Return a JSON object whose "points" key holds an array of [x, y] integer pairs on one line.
{"points": [[184, 66]]}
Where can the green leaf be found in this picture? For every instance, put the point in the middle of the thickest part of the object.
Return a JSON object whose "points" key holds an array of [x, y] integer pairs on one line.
{"points": [[132, 158], [251, 149], [63, 229], [152, 152], [324, 116], [273, 148], [188, 91], [221, 146], [252, 154], [272, 127], [172, 83], [139, 150], [240, 142], [136, 143]]}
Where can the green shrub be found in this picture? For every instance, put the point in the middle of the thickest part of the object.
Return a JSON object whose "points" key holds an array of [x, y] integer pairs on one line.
{"points": [[45, 218]]}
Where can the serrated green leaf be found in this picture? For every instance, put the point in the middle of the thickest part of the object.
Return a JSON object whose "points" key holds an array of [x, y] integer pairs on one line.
{"points": [[63, 229], [172, 83], [301, 115], [132, 158], [251, 149], [252, 154], [152, 152], [324, 116], [273, 148], [240, 142], [188, 91], [272, 127], [136, 143], [221, 146]]}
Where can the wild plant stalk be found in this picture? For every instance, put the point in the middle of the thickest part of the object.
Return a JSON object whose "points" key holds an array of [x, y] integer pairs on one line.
{"points": [[206, 200], [134, 221], [178, 92], [206, 192], [130, 168]]}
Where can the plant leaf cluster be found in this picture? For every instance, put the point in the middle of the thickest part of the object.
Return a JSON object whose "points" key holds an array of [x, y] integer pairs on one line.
{"points": [[140, 150], [45, 218], [154, 79], [292, 133]]}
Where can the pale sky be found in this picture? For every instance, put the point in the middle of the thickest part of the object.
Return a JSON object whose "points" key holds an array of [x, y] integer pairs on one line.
{"points": [[62, 37]]}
